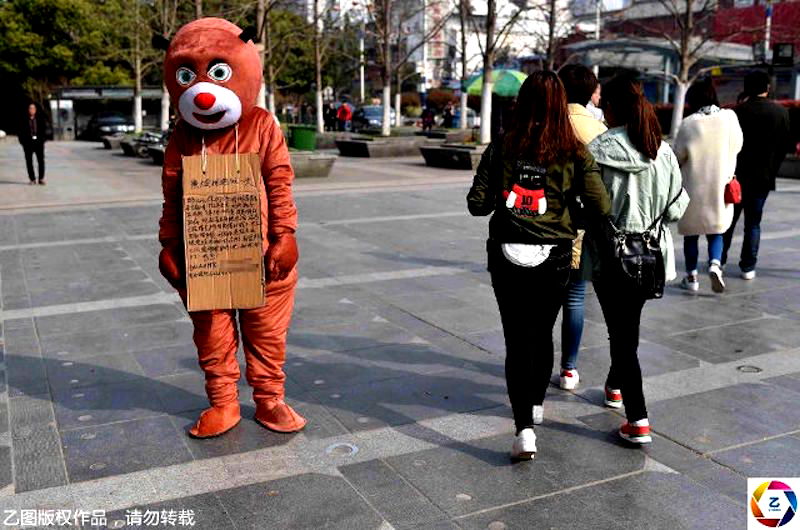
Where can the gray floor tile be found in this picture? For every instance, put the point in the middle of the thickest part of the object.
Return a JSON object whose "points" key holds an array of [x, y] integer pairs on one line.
{"points": [[394, 498], [779, 457], [412, 398], [725, 417], [207, 511], [168, 360], [569, 455], [90, 406], [92, 371], [135, 339], [646, 500], [123, 447], [335, 505]]}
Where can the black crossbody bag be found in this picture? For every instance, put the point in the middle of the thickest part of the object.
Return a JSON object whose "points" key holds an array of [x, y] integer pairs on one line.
{"points": [[637, 258]]}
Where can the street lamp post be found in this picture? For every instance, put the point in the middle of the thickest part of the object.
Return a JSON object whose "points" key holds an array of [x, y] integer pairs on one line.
{"points": [[597, 8], [361, 59]]}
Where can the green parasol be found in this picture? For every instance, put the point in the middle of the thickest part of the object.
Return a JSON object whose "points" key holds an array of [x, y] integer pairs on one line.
{"points": [[506, 83]]}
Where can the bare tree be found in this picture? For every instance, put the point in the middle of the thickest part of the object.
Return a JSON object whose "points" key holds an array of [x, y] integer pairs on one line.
{"points": [[389, 29], [692, 40], [198, 8], [464, 11], [493, 42]]}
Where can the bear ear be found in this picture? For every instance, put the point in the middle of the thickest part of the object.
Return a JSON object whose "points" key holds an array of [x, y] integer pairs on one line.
{"points": [[160, 42], [248, 34]]}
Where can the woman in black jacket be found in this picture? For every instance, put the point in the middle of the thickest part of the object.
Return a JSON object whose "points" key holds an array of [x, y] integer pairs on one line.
{"points": [[528, 180]]}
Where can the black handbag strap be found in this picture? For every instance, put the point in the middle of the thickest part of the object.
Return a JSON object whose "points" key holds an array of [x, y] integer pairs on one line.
{"points": [[660, 217], [656, 221]]}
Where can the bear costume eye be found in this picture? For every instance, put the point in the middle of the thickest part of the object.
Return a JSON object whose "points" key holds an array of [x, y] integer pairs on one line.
{"points": [[220, 72], [184, 76]]}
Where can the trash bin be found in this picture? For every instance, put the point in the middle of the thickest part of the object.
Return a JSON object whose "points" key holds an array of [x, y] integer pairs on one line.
{"points": [[303, 137]]}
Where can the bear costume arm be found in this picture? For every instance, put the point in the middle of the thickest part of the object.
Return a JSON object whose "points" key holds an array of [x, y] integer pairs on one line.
{"points": [[278, 175], [170, 226]]}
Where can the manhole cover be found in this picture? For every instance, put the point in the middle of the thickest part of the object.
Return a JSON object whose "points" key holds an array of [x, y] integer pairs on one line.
{"points": [[341, 449], [749, 369]]}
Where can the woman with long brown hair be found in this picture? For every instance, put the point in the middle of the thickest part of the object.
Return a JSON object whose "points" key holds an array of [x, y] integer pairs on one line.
{"points": [[643, 180], [528, 179]]}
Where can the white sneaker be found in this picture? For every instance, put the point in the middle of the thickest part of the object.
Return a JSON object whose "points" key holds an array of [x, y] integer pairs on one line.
{"points": [[569, 379], [749, 275], [690, 283], [538, 414], [717, 283], [524, 447]]}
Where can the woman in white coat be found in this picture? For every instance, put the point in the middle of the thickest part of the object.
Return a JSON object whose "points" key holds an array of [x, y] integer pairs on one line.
{"points": [[706, 146]]}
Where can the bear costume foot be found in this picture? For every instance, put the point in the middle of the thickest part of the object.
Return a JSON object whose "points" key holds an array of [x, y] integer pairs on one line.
{"points": [[216, 421], [276, 415]]}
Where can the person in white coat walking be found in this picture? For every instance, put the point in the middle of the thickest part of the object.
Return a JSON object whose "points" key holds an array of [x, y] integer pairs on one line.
{"points": [[706, 146]]}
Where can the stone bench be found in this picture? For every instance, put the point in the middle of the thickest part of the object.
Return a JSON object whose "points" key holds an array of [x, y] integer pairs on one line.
{"points": [[452, 156], [311, 163], [381, 147]]}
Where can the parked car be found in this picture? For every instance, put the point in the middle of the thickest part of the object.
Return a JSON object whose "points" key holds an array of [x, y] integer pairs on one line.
{"points": [[371, 116], [472, 118], [106, 123], [137, 145]]}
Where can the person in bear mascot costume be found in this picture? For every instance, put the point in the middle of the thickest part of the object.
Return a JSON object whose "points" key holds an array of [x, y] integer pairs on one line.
{"points": [[213, 74]]}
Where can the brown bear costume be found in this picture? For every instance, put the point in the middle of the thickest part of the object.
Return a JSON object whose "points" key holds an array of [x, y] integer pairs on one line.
{"points": [[213, 74]]}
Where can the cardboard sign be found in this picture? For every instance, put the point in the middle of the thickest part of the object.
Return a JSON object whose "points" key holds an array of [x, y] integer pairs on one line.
{"points": [[222, 232]]}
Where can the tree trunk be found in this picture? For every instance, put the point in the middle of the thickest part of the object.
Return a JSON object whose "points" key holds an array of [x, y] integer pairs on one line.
{"points": [[488, 66], [318, 69], [551, 35], [677, 112], [164, 109], [386, 125], [270, 79], [198, 8], [137, 98], [462, 15], [398, 101], [262, 93]]}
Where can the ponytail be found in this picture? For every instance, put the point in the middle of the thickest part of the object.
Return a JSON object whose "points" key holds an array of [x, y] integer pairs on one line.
{"points": [[629, 107]]}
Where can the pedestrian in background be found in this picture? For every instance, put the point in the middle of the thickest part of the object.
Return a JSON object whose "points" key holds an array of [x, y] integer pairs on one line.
{"points": [[447, 116], [643, 180], [580, 85], [767, 140], [594, 104], [524, 178], [32, 135], [344, 115], [428, 118], [706, 146]]}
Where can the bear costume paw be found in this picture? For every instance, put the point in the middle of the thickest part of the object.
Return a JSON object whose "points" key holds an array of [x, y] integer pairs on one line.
{"points": [[216, 421], [276, 415]]}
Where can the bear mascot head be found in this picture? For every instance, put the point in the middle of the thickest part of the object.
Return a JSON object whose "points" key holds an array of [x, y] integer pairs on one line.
{"points": [[213, 73]]}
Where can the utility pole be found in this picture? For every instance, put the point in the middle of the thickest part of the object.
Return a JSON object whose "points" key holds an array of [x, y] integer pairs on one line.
{"points": [[598, 7], [361, 58]]}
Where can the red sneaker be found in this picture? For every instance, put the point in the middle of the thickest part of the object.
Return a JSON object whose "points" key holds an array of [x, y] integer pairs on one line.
{"points": [[613, 398], [636, 435]]}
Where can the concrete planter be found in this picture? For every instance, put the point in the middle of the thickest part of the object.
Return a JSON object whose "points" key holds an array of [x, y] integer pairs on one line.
{"points": [[368, 147], [156, 152], [448, 135], [790, 167], [112, 141], [452, 156], [311, 163]]}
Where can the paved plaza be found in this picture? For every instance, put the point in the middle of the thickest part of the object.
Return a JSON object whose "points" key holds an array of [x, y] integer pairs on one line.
{"points": [[395, 357]]}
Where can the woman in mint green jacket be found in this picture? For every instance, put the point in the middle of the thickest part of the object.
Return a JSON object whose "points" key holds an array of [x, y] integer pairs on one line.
{"points": [[642, 176]]}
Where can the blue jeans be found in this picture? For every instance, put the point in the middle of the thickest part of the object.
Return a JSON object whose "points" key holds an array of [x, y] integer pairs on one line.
{"points": [[572, 322], [691, 252], [753, 207]]}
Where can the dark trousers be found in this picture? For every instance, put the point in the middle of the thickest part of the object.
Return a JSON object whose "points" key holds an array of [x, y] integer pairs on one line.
{"points": [[622, 311], [753, 207], [529, 299], [35, 148]]}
